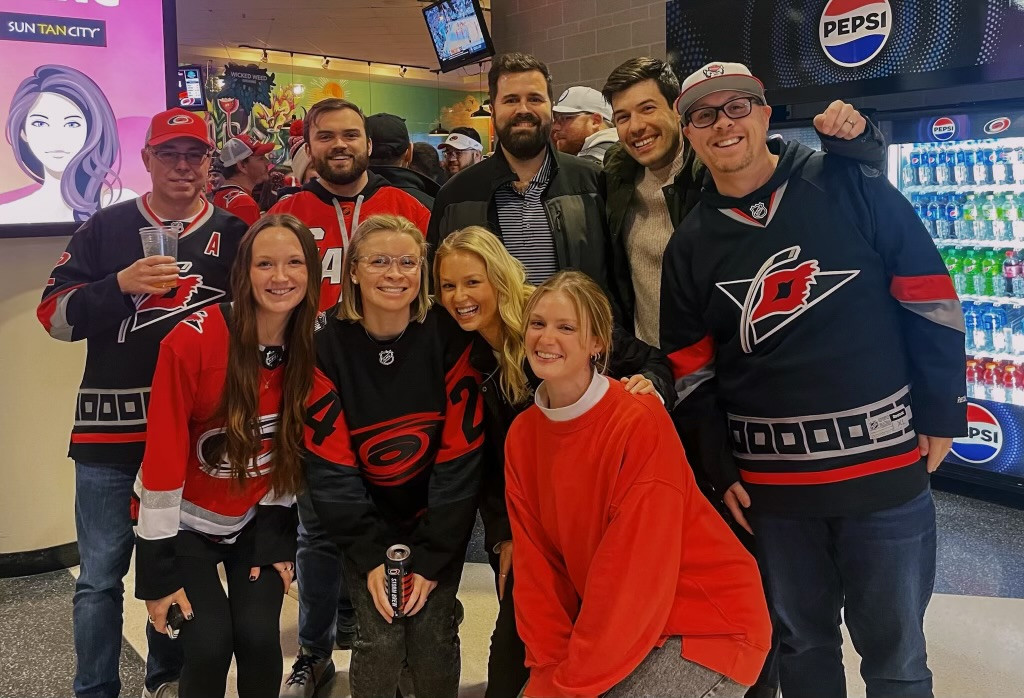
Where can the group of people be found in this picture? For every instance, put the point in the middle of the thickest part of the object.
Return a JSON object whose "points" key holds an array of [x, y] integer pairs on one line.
{"points": [[692, 379]]}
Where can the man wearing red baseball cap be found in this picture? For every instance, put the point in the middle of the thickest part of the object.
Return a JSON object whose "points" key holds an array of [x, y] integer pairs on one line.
{"points": [[103, 289], [245, 166]]}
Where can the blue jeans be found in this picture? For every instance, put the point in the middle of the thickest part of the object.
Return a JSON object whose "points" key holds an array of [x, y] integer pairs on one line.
{"points": [[105, 543], [323, 595], [880, 567]]}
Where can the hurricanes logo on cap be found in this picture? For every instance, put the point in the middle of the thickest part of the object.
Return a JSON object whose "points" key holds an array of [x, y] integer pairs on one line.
{"points": [[853, 32], [714, 70], [561, 97], [984, 438], [179, 120]]}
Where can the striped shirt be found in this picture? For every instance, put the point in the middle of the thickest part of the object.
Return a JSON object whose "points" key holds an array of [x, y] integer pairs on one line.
{"points": [[524, 225]]}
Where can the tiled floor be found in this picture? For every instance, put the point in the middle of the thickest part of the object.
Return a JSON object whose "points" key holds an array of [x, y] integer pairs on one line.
{"points": [[975, 637]]}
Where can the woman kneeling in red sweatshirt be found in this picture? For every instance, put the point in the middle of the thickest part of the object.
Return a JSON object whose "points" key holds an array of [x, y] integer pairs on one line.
{"points": [[627, 581]]}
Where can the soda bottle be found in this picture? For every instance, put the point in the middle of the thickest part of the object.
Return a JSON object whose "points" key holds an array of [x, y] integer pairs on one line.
{"points": [[955, 213], [915, 162], [987, 214], [931, 215], [1013, 383], [944, 166], [971, 215], [990, 377], [993, 321], [1000, 229], [970, 264], [982, 171], [972, 325], [931, 160], [925, 174], [943, 223], [1012, 213], [955, 265], [974, 382], [983, 272], [961, 166], [908, 174], [1001, 170], [1013, 272], [1017, 164]]}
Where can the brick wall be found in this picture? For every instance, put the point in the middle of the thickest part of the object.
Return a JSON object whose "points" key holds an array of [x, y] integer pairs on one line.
{"points": [[582, 41]]}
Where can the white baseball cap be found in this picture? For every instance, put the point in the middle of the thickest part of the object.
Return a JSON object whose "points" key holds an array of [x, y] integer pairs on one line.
{"points": [[583, 99], [242, 146], [461, 141], [718, 77]]}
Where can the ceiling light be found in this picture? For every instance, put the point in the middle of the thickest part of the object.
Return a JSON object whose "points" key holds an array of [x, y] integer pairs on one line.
{"points": [[298, 89], [438, 131]]}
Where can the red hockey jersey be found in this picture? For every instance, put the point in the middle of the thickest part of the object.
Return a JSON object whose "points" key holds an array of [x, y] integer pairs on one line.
{"points": [[237, 201], [82, 300], [183, 485], [333, 219]]}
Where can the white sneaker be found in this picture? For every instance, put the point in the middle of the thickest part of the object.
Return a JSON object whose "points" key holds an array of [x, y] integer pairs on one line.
{"points": [[309, 674], [166, 690]]}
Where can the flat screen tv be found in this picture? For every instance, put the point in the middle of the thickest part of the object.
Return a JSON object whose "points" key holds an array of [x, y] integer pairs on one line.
{"points": [[80, 83], [191, 94], [458, 32]]}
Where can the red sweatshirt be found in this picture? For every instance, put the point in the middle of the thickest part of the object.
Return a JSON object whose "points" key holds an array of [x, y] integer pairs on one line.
{"points": [[616, 549]]}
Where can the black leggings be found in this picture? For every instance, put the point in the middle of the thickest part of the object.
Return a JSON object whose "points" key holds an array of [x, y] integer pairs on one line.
{"points": [[245, 623]]}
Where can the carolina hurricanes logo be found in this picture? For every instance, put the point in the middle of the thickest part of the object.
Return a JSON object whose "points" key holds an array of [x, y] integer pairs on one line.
{"points": [[65, 257], [213, 460], [189, 295], [179, 120], [781, 291], [759, 210], [196, 320], [714, 70], [393, 453]]}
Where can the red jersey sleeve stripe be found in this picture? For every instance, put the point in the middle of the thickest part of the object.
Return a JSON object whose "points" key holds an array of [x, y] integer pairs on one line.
{"points": [[922, 289], [692, 358], [850, 472], [101, 438]]}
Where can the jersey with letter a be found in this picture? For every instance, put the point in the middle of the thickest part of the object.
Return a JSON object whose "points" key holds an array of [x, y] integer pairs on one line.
{"points": [[333, 219], [394, 434], [819, 315], [82, 300], [185, 483], [237, 201]]}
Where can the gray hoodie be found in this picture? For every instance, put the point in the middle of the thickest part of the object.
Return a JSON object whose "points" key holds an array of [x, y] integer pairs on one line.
{"points": [[597, 145]]}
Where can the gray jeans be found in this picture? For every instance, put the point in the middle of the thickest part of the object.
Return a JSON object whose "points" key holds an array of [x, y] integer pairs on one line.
{"points": [[664, 673]]}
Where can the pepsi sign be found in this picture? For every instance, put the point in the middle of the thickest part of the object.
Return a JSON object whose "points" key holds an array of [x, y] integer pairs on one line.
{"points": [[853, 32], [997, 125], [943, 128], [984, 438]]}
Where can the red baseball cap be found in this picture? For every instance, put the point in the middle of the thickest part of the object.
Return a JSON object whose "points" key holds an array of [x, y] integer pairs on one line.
{"points": [[177, 123]]}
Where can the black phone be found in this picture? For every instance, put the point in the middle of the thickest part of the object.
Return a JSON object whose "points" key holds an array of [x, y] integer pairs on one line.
{"points": [[175, 619]]}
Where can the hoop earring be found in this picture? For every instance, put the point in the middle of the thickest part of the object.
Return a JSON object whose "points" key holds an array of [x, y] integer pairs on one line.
{"points": [[594, 358]]}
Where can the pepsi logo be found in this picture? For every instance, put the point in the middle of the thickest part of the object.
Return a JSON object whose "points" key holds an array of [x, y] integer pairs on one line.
{"points": [[997, 125], [943, 128], [852, 32], [180, 120], [714, 70], [984, 438]]}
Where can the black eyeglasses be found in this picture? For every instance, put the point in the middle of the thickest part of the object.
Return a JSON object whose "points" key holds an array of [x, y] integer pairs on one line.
{"points": [[170, 158], [737, 108]]}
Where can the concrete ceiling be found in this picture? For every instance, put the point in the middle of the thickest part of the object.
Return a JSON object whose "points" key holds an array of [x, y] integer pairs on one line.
{"points": [[385, 31]]}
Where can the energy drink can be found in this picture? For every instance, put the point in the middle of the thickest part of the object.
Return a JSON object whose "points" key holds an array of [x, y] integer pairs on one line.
{"points": [[399, 577]]}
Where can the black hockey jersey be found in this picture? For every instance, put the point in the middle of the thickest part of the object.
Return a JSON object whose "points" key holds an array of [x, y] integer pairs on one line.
{"points": [[82, 300], [817, 313], [394, 435]]}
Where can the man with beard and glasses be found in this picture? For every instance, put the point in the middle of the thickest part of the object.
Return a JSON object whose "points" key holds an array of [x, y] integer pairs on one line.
{"points": [[332, 205], [543, 204]]}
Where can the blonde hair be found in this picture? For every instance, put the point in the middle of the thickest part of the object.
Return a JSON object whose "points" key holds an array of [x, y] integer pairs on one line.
{"points": [[351, 307], [508, 278], [591, 306]]}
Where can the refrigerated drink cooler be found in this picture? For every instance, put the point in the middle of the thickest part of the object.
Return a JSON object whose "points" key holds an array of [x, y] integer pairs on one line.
{"points": [[964, 175]]}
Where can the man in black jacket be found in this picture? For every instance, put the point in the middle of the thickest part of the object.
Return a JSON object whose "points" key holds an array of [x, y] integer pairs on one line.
{"points": [[544, 205], [391, 155]]}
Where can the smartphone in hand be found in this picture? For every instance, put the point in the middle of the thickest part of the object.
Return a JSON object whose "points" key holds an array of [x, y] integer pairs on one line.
{"points": [[175, 619]]}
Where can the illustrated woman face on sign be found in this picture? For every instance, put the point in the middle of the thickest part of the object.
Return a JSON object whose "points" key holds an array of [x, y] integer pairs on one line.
{"points": [[64, 136]]}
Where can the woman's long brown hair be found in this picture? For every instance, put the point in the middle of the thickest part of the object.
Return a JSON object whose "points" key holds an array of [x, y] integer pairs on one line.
{"points": [[240, 401]]}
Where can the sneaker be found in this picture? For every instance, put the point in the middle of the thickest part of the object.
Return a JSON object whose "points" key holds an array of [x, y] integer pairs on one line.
{"points": [[166, 690], [309, 675]]}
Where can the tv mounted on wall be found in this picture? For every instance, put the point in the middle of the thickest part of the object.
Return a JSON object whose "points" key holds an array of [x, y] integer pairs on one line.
{"points": [[458, 32]]}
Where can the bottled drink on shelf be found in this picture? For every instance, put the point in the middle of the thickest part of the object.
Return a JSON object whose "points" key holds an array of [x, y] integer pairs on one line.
{"points": [[908, 172], [961, 166], [925, 172], [985, 228], [1013, 214], [943, 223], [955, 265], [1017, 164], [1002, 172], [972, 323], [983, 272], [1013, 273], [975, 384], [1013, 383], [982, 170], [990, 377], [969, 266], [931, 215], [993, 323], [963, 229], [971, 214], [944, 161]]}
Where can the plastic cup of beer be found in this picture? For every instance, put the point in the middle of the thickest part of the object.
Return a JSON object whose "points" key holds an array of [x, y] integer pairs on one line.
{"points": [[160, 240]]}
